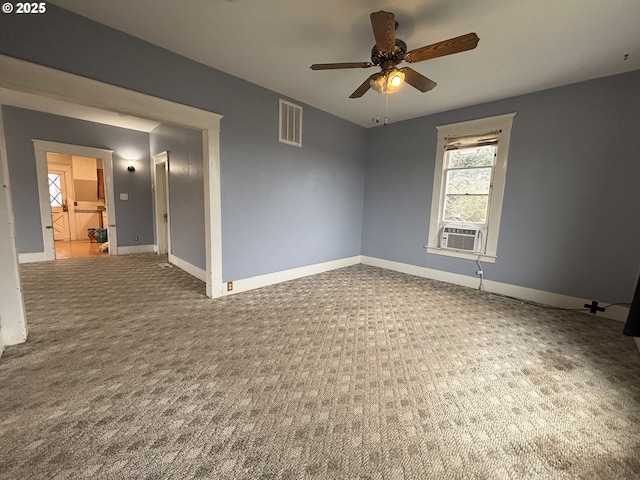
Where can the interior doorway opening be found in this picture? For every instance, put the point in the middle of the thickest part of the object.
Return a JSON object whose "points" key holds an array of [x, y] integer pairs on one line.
{"points": [[77, 197], [161, 203], [77, 209], [52, 86]]}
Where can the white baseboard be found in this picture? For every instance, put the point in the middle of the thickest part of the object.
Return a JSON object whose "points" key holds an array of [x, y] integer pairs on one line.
{"points": [[260, 281], [31, 257], [133, 249], [191, 269], [524, 293]]}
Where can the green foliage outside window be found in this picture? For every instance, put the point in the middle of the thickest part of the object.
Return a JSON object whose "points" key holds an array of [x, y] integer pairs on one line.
{"points": [[468, 183]]}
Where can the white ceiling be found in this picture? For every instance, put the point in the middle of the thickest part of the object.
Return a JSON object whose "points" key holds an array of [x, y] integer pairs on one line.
{"points": [[525, 45]]}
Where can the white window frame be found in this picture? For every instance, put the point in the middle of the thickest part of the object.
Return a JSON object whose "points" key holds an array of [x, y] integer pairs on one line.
{"points": [[501, 124], [283, 136]]}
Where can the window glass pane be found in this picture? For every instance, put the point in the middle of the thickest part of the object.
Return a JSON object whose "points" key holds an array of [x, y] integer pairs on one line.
{"points": [[472, 157], [466, 208], [55, 193], [475, 181]]}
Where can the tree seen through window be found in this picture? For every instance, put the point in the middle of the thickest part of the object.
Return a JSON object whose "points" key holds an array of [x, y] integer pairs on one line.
{"points": [[468, 177]]}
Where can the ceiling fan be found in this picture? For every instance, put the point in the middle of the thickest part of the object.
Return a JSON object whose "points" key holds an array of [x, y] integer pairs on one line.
{"points": [[389, 51]]}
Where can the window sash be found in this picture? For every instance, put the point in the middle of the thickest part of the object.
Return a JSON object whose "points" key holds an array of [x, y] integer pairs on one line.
{"points": [[476, 218]]}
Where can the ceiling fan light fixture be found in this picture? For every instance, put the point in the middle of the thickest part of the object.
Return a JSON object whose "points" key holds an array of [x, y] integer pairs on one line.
{"points": [[395, 80], [378, 83], [388, 82]]}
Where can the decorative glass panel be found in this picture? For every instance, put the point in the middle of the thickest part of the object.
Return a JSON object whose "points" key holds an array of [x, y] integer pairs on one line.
{"points": [[55, 191]]}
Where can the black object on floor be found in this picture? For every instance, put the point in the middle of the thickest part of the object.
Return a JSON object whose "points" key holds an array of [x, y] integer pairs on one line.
{"points": [[632, 327]]}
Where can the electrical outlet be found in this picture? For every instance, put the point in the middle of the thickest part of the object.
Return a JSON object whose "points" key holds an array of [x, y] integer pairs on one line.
{"points": [[479, 272], [229, 286]]}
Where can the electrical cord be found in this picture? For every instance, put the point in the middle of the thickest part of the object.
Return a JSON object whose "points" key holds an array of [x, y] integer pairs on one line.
{"points": [[481, 273], [550, 307], [480, 270]]}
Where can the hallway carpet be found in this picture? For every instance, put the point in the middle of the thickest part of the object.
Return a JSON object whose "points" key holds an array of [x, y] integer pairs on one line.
{"points": [[358, 373]]}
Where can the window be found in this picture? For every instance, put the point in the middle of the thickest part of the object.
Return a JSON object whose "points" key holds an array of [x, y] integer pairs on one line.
{"points": [[55, 190], [290, 131], [469, 180]]}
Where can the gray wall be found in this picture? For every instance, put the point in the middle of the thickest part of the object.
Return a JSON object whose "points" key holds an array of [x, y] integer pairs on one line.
{"points": [[282, 207], [571, 180], [186, 190], [570, 220], [21, 126]]}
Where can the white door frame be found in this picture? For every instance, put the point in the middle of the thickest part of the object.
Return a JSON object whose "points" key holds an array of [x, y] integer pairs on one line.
{"points": [[41, 148], [161, 195], [54, 84]]}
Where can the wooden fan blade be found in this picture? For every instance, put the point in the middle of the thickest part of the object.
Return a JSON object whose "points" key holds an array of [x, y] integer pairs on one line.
{"points": [[384, 30], [362, 89], [417, 80], [440, 49], [335, 66]]}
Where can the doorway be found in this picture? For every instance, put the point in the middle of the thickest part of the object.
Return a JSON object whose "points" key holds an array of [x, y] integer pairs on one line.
{"points": [[84, 199], [59, 199], [78, 207], [49, 84], [161, 202]]}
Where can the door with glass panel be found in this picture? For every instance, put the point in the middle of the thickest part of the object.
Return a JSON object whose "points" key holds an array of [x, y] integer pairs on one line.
{"points": [[59, 206]]}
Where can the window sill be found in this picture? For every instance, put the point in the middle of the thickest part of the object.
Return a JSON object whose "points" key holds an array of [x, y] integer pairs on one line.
{"points": [[460, 254]]}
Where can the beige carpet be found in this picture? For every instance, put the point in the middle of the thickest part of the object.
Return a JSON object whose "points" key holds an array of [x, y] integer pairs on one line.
{"points": [[359, 373]]}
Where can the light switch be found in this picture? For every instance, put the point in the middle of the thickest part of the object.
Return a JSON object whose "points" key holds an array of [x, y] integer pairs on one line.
{"points": [[124, 196]]}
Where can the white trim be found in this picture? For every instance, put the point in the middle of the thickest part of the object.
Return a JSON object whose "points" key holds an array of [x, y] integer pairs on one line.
{"points": [[41, 148], [191, 269], [31, 257], [159, 159], [47, 82], [524, 293], [212, 212], [425, 272], [13, 320], [502, 123], [133, 249], [461, 254], [260, 281]]}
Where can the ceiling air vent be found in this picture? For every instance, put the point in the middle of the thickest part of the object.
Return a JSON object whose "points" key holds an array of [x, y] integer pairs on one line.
{"points": [[290, 131]]}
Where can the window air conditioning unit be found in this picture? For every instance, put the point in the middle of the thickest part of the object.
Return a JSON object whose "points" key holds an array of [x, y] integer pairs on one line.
{"points": [[463, 238]]}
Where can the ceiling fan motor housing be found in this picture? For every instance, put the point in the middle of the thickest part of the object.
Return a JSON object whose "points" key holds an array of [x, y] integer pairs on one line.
{"points": [[397, 56], [389, 51]]}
